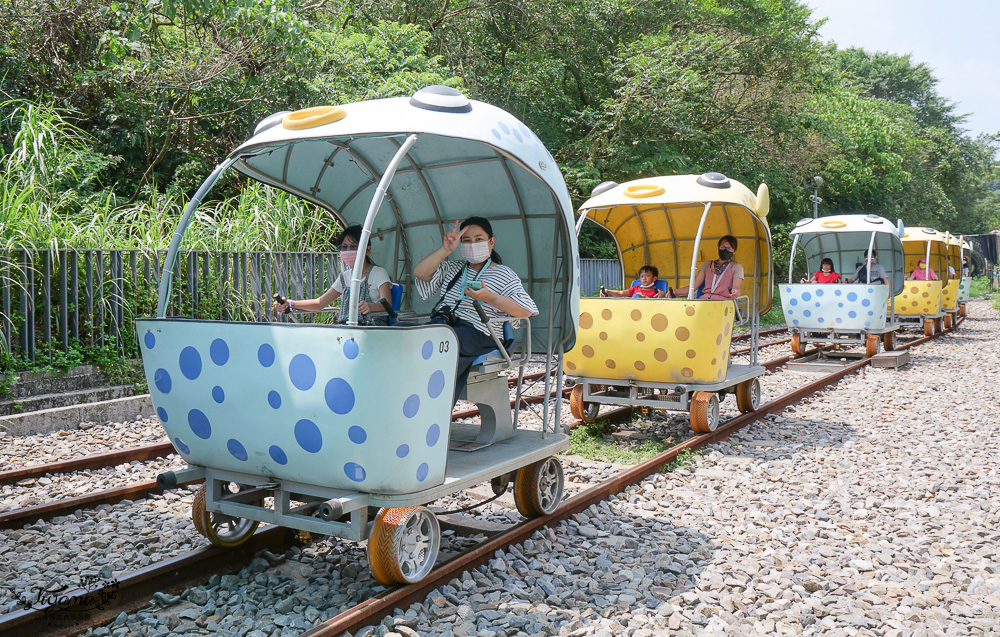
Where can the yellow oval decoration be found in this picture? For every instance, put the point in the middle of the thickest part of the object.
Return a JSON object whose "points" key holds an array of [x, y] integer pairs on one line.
{"points": [[641, 191], [833, 224], [763, 201], [312, 117]]}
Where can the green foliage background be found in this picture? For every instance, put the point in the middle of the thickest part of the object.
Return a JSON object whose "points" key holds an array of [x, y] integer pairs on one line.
{"points": [[111, 113]]}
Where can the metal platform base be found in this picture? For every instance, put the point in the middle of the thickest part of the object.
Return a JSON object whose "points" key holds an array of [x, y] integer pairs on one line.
{"points": [[825, 364], [670, 396], [350, 517], [831, 336]]}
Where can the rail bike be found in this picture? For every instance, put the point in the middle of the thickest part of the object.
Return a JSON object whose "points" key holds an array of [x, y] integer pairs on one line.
{"points": [[921, 301], [858, 313], [950, 301], [965, 286], [673, 353], [336, 423]]}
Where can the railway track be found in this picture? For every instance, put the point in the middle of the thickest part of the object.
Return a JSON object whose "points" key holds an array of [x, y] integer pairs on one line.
{"points": [[182, 571]]}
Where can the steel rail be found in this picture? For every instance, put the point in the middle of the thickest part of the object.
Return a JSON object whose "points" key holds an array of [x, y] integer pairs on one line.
{"points": [[179, 572]]}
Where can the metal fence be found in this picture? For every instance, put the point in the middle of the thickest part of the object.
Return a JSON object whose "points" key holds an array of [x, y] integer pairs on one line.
{"points": [[54, 299], [597, 272]]}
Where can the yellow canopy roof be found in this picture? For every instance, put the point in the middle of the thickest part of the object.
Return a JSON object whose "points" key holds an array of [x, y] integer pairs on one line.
{"points": [[655, 221], [916, 242]]}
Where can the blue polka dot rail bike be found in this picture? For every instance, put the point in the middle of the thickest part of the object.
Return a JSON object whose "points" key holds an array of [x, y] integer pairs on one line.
{"points": [[337, 424]]}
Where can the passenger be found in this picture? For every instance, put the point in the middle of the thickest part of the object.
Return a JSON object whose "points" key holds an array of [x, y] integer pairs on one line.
{"points": [[825, 274], [965, 267], [501, 294], [722, 277], [375, 283], [879, 275], [922, 272], [647, 286]]}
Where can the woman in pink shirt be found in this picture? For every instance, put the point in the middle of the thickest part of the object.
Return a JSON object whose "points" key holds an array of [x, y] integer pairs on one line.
{"points": [[722, 277], [923, 273]]}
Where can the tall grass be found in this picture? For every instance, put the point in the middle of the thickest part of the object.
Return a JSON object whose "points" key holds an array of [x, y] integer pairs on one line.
{"points": [[53, 195]]}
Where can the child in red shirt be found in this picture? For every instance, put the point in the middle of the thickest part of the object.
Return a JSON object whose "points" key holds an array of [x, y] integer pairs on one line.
{"points": [[825, 274], [647, 285]]}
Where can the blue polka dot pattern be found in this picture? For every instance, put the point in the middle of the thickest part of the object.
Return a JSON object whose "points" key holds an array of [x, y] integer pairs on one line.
{"points": [[436, 384], [422, 471], [218, 394], [150, 340], [237, 450], [433, 435], [427, 350], [265, 354], [354, 471], [190, 363], [339, 396], [278, 454], [308, 436], [199, 424], [504, 128], [351, 349], [517, 134], [161, 378], [495, 132], [162, 413], [219, 352], [274, 399], [402, 451], [183, 448], [302, 372], [411, 406], [357, 435], [843, 305]]}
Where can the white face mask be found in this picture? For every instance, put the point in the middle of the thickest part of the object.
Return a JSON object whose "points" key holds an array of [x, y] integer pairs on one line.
{"points": [[476, 252]]}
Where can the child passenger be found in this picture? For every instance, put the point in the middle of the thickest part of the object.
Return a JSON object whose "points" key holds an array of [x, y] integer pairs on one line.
{"points": [[646, 288], [825, 274]]}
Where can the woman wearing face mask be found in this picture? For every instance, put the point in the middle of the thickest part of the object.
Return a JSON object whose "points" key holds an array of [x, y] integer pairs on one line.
{"points": [[722, 277], [375, 283], [500, 295], [922, 272]]}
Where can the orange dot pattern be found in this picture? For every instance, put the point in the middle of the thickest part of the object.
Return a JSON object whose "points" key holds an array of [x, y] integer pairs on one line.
{"points": [[919, 298], [655, 340], [949, 296]]}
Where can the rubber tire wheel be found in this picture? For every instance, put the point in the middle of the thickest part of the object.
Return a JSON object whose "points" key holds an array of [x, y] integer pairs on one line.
{"points": [[928, 327], [961, 310], [797, 344], [538, 487], [392, 535], [704, 412], [585, 411], [203, 523], [748, 395], [872, 342], [888, 341]]}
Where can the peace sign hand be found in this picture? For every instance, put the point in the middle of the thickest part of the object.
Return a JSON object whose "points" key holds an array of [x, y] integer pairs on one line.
{"points": [[452, 238]]}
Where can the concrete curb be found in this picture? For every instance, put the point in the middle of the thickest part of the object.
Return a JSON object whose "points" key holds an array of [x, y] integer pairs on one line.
{"points": [[61, 418]]}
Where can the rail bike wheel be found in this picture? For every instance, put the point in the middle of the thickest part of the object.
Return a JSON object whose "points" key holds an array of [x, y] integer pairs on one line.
{"points": [[585, 411], [871, 345], [961, 310], [221, 529], [748, 395], [888, 341], [948, 321], [538, 487], [403, 545], [938, 325], [796, 344], [928, 327], [704, 412]]}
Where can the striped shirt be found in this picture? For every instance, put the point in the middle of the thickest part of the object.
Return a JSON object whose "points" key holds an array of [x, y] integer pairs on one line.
{"points": [[498, 278]]}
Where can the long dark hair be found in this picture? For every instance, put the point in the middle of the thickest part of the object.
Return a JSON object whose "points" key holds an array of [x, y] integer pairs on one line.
{"points": [[354, 232], [485, 225]]}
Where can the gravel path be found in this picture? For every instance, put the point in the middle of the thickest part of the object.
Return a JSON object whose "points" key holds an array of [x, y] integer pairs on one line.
{"points": [[863, 511], [867, 510]]}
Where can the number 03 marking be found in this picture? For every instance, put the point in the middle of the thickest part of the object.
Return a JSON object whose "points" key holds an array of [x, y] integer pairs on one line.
{"points": [[443, 346]]}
